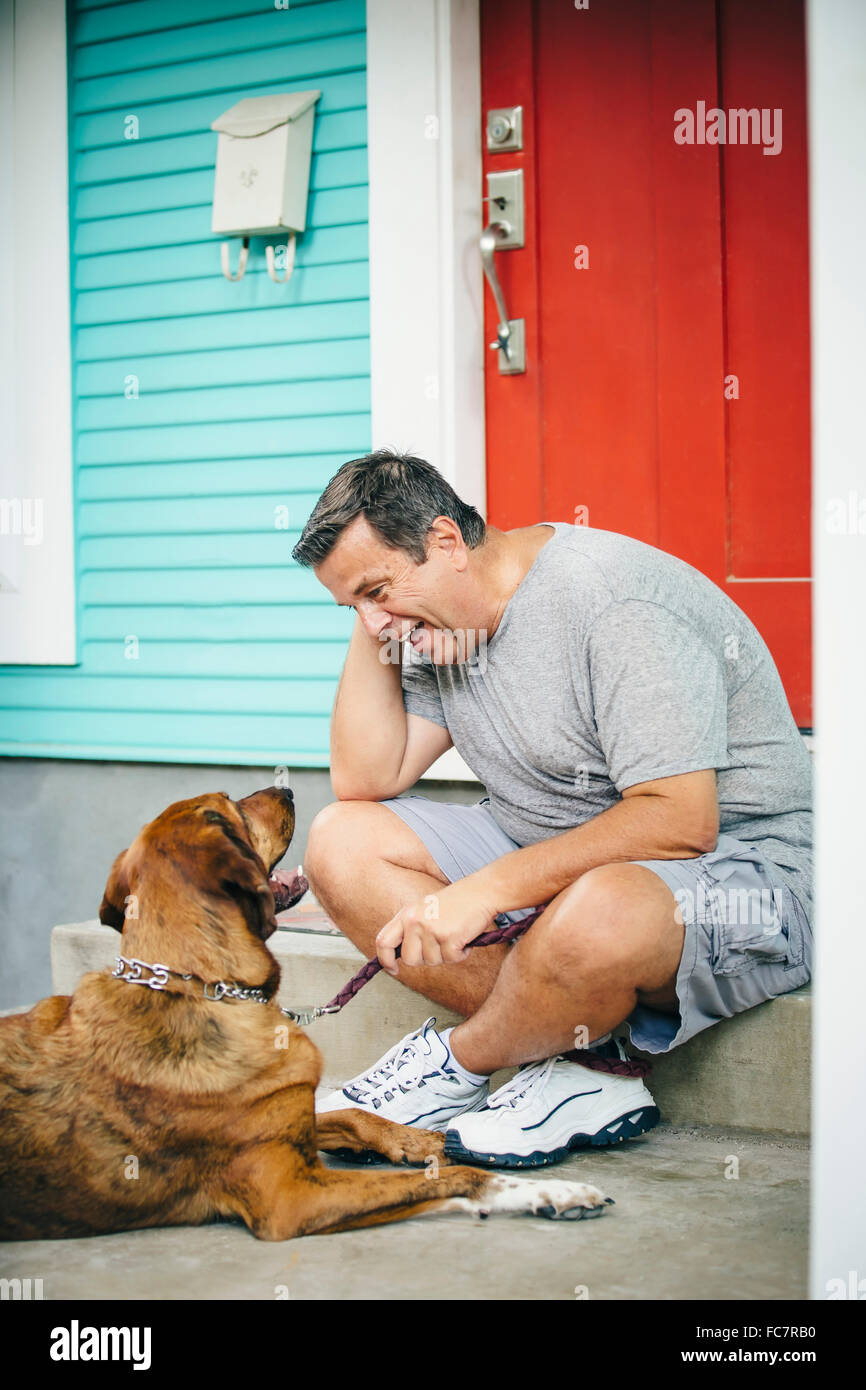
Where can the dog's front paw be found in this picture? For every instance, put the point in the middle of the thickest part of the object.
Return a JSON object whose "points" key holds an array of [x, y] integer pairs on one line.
{"points": [[420, 1147]]}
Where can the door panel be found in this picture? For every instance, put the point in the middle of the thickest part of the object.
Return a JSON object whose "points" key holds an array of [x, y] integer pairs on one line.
{"points": [[767, 294], [697, 271]]}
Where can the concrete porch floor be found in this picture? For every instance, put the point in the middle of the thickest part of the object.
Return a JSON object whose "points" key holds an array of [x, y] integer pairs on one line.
{"points": [[680, 1229]]}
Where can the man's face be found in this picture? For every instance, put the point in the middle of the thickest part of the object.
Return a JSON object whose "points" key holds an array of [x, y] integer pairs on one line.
{"points": [[394, 597]]}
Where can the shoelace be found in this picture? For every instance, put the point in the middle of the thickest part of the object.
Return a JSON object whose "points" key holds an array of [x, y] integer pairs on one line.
{"points": [[513, 1094], [400, 1069]]}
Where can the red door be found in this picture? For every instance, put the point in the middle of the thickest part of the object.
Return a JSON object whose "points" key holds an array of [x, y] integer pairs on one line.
{"points": [[665, 289]]}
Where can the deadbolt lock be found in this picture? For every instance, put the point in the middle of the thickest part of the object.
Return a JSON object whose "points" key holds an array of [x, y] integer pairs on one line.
{"points": [[505, 128]]}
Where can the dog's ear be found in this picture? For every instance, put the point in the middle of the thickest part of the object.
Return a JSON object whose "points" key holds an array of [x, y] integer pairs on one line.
{"points": [[112, 910], [243, 876]]}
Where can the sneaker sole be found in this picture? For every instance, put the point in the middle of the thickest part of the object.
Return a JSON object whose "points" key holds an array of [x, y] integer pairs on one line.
{"points": [[628, 1126]]}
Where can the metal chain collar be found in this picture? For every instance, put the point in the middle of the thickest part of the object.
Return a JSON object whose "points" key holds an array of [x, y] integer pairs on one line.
{"points": [[130, 970]]}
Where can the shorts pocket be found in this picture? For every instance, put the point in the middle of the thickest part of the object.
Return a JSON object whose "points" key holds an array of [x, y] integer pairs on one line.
{"points": [[753, 918]]}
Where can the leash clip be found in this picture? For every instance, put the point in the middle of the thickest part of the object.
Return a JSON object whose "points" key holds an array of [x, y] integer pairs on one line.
{"points": [[304, 1017]]}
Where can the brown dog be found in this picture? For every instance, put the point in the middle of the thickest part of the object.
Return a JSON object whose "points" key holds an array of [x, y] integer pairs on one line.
{"points": [[126, 1105]]}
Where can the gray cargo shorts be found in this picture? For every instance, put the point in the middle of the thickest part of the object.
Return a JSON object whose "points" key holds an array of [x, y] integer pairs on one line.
{"points": [[747, 936]]}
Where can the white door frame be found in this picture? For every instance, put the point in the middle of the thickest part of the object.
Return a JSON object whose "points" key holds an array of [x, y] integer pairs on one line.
{"points": [[426, 281]]}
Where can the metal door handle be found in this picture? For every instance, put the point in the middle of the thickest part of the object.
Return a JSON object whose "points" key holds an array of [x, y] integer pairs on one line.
{"points": [[510, 337]]}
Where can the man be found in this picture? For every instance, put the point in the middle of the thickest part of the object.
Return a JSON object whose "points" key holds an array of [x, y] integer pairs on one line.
{"points": [[645, 779]]}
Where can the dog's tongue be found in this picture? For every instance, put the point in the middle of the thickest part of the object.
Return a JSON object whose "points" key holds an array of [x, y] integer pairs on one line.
{"points": [[287, 888]]}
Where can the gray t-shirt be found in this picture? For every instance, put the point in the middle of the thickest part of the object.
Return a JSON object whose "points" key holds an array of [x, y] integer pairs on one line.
{"points": [[615, 663]]}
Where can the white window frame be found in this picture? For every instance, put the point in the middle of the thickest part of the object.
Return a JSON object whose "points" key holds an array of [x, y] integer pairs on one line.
{"points": [[37, 557], [426, 280]]}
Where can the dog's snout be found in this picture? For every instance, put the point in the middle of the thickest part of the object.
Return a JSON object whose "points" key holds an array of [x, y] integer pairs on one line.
{"points": [[288, 793]]}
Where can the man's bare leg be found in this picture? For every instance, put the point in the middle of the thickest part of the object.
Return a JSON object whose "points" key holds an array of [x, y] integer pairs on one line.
{"points": [[610, 941], [364, 864], [606, 943]]}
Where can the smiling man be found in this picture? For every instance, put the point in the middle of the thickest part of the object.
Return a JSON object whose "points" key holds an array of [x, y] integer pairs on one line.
{"points": [[645, 780]]}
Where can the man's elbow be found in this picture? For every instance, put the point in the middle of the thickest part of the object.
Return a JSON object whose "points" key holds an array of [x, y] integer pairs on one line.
{"points": [[685, 812], [348, 788], [701, 834], [708, 842], [352, 791], [692, 830]]}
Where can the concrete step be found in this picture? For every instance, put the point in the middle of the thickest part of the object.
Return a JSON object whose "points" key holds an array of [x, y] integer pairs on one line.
{"points": [[751, 1072]]}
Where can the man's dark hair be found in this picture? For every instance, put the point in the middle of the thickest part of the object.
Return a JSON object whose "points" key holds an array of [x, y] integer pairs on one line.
{"points": [[400, 496]]}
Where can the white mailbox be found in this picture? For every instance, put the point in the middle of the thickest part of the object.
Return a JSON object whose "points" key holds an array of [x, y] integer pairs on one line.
{"points": [[263, 169]]}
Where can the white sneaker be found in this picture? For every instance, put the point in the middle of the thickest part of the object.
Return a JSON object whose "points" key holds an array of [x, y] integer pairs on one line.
{"points": [[547, 1110], [413, 1084]]}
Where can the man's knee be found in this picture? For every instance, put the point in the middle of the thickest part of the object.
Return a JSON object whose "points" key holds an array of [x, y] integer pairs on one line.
{"points": [[615, 910], [339, 835], [347, 836]]}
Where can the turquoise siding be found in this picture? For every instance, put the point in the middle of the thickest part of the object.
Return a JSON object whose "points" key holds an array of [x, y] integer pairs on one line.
{"points": [[250, 394]]}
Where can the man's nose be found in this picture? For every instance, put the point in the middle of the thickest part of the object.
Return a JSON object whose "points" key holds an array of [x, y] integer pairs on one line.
{"points": [[374, 619]]}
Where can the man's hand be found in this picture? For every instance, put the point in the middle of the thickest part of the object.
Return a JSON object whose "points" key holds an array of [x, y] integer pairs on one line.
{"points": [[437, 929]]}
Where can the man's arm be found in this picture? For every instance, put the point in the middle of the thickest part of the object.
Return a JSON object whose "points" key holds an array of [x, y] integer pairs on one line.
{"points": [[670, 818], [659, 704], [377, 750]]}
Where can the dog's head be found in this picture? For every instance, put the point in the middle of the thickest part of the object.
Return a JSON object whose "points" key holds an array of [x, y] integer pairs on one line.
{"points": [[192, 889]]}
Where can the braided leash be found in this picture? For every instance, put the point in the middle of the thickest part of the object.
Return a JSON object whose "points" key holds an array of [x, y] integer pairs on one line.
{"points": [[617, 1066], [372, 967]]}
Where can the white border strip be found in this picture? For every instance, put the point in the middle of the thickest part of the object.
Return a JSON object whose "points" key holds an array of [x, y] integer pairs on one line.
{"points": [[836, 103], [37, 616]]}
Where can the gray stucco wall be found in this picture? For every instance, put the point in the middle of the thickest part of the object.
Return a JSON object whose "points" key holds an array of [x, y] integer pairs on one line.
{"points": [[62, 823]]}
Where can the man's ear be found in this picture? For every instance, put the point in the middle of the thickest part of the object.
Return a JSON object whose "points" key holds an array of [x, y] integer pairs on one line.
{"points": [[112, 910], [243, 877]]}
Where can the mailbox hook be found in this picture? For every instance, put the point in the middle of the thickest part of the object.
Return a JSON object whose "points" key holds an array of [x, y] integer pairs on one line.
{"points": [[242, 260], [290, 261]]}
